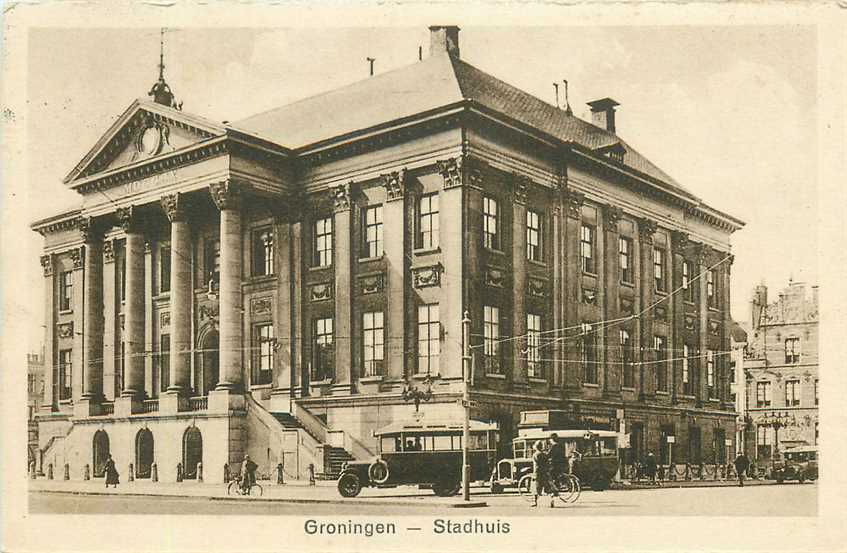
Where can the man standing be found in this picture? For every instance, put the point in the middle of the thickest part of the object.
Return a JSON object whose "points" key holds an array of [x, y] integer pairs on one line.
{"points": [[556, 451], [741, 465], [540, 472], [248, 474], [650, 468]]}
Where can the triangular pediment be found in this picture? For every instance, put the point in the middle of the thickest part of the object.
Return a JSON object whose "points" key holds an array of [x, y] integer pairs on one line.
{"points": [[144, 130]]}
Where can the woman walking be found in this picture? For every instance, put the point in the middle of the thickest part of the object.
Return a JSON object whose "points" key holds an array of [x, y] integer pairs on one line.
{"points": [[112, 476]]}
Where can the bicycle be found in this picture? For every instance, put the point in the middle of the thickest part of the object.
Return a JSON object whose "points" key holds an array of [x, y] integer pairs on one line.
{"points": [[235, 488], [568, 487]]}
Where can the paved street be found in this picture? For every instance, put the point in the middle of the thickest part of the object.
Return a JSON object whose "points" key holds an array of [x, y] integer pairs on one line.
{"points": [[764, 500]]}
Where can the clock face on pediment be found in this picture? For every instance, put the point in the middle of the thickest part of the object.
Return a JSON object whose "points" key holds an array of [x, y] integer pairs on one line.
{"points": [[150, 141]]}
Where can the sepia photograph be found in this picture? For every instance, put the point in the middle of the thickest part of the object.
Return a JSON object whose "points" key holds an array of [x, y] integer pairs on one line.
{"points": [[436, 282]]}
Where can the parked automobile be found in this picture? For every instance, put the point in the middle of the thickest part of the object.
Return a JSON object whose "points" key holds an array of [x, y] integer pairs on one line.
{"points": [[798, 463], [596, 467], [428, 454]]}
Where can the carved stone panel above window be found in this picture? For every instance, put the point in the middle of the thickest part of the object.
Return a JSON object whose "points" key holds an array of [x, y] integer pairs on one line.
{"points": [[65, 330], [427, 276], [321, 292], [626, 306], [495, 277], [261, 306], [371, 284], [689, 322], [589, 296], [714, 328], [536, 288], [164, 319]]}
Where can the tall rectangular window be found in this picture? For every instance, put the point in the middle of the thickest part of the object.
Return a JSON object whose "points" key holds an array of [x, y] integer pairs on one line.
{"points": [[533, 235], [491, 332], [66, 371], [792, 350], [164, 268], [490, 223], [324, 349], [429, 339], [710, 372], [816, 392], [263, 252], [213, 260], [626, 355], [687, 288], [763, 394], [120, 264], [534, 367], [586, 249], [428, 226], [792, 393], [711, 288], [66, 290], [263, 354], [589, 354], [687, 387], [373, 339], [659, 269], [373, 231], [625, 251], [322, 252], [660, 345], [164, 361]]}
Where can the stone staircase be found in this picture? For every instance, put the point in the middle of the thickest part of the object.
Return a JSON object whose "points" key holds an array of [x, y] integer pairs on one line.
{"points": [[333, 457], [337, 457]]}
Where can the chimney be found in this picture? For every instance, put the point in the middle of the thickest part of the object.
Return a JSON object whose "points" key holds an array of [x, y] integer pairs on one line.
{"points": [[444, 38], [603, 113], [758, 305]]}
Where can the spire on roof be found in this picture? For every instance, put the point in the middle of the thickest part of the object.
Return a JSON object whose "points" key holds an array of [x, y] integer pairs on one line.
{"points": [[161, 92]]}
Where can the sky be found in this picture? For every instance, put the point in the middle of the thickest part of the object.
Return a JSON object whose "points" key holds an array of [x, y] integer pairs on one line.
{"points": [[729, 112]]}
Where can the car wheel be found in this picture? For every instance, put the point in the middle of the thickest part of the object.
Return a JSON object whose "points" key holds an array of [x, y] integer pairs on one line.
{"points": [[349, 485], [779, 479], [496, 488], [378, 472], [802, 479], [446, 488]]}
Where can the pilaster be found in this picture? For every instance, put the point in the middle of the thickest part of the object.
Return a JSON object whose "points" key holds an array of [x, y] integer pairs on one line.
{"points": [[679, 243], [180, 303], [342, 263], [286, 348], [609, 297], [519, 275], [701, 384], [50, 294], [647, 372], [134, 321], [110, 345], [573, 284], [396, 255]]}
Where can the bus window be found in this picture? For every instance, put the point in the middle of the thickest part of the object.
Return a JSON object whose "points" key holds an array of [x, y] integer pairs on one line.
{"points": [[813, 455], [442, 443], [390, 445], [478, 441]]}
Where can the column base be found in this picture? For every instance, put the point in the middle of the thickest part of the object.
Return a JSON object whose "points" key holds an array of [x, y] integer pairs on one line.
{"points": [[172, 402], [341, 389], [281, 400], [87, 407], [127, 405], [224, 401]]}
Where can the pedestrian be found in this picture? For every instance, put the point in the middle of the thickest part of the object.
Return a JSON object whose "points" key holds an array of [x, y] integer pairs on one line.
{"points": [[540, 472], [556, 451], [650, 468], [741, 465], [112, 476]]}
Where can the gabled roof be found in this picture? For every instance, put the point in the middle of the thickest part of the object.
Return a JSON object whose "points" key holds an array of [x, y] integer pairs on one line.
{"points": [[436, 82]]}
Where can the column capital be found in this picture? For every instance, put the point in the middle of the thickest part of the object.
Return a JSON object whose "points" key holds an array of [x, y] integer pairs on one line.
{"points": [[395, 184], [174, 207], [574, 201], [464, 170], [128, 219], [646, 229], [109, 251], [701, 252], [89, 229], [520, 188], [679, 240], [47, 264], [611, 217], [226, 194], [77, 257], [341, 195]]}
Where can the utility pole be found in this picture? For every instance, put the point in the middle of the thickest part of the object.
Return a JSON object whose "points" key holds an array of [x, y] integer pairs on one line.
{"points": [[466, 404]]}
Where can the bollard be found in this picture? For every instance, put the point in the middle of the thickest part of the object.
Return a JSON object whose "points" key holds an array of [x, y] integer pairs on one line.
{"points": [[131, 473], [86, 474], [154, 473], [67, 473], [311, 474], [179, 472], [199, 472], [280, 479], [50, 471]]}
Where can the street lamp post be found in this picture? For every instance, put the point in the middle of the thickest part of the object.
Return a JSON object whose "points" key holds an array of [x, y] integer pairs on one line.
{"points": [[466, 404], [776, 421]]}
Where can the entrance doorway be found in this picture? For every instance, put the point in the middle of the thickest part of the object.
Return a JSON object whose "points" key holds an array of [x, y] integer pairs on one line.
{"points": [[207, 377], [192, 452], [636, 443], [143, 453], [100, 450]]}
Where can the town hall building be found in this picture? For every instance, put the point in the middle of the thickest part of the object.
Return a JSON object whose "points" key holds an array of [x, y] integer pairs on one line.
{"points": [[281, 286]]}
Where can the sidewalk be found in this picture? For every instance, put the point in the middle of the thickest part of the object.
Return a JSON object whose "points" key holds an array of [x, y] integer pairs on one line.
{"points": [[295, 492], [695, 483]]}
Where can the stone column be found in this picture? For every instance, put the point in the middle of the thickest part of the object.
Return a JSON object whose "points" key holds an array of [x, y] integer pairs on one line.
{"points": [[558, 285], [723, 360], [109, 315], [77, 378], [92, 339], [286, 309], [151, 385], [133, 386], [227, 196], [676, 341], [701, 383], [572, 368], [519, 275], [343, 323], [50, 294], [176, 397], [647, 384], [394, 221], [609, 292]]}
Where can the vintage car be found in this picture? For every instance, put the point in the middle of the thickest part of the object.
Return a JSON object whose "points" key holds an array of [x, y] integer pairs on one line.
{"points": [[798, 463], [596, 467], [427, 454]]}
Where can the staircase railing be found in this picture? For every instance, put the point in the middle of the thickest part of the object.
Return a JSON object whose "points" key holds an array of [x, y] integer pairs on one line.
{"points": [[319, 430]]}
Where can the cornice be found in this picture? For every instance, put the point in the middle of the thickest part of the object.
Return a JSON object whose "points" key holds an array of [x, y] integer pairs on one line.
{"points": [[58, 223]]}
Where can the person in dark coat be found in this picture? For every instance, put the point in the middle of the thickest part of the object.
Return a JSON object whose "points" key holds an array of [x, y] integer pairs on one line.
{"points": [[556, 453], [540, 472], [741, 465], [112, 476], [650, 467]]}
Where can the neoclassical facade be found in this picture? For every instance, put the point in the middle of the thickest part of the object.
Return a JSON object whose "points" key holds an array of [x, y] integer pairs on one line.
{"points": [[279, 285]]}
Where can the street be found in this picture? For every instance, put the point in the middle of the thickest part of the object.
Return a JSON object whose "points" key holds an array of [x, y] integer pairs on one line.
{"points": [[770, 500]]}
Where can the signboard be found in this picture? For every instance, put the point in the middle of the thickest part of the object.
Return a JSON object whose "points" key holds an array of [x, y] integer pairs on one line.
{"points": [[727, 442], [623, 441], [471, 403], [671, 439]]}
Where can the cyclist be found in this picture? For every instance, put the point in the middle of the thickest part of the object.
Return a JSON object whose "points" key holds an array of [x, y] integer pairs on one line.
{"points": [[556, 451], [248, 474], [540, 472], [575, 457]]}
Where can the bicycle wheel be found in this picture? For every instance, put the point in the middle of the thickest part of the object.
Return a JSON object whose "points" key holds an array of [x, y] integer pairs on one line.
{"points": [[256, 490], [574, 489], [232, 488], [525, 487]]}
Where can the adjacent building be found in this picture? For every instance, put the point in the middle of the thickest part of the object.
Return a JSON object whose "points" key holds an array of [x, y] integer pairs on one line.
{"points": [[279, 285], [34, 400], [781, 371]]}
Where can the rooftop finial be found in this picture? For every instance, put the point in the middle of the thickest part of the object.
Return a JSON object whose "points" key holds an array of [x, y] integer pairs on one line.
{"points": [[161, 92]]}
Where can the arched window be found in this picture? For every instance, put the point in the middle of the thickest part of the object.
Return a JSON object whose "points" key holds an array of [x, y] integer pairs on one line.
{"points": [[143, 453], [100, 452], [192, 452]]}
